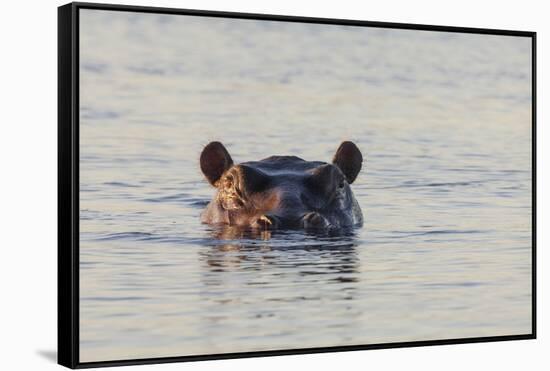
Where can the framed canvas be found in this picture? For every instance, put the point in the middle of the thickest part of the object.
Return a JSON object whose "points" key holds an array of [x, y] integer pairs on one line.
{"points": [[241, 185]]}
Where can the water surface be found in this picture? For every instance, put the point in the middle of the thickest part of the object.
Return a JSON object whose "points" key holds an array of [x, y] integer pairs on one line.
{"points": [[444, 123]]}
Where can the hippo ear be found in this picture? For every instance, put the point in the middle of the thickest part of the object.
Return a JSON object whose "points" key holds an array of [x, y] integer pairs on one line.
{"points": [[215, 160], [349, 159]]}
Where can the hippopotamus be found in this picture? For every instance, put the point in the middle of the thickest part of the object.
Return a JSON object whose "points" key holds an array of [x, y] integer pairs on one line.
{"points": [[282, 192]]}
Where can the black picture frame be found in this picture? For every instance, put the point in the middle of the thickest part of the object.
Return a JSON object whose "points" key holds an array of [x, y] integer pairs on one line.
{"points": [[68, 183]]}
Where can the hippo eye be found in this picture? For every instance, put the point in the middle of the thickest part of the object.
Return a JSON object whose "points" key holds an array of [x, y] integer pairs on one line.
{"points": [[342, 184], [228, 182], [229, 196]]}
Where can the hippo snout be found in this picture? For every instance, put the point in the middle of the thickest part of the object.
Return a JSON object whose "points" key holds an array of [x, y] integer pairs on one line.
{"points": [[311, 220]]}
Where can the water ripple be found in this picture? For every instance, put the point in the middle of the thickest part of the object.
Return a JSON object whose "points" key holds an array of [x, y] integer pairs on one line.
{"points": [[435, 232]]}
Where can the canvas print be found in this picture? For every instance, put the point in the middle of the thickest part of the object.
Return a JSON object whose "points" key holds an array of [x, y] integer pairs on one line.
{"points": [[259, 185]]}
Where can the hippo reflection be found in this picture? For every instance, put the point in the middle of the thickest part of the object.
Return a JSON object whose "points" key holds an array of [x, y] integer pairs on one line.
{"points": [[282, 191]]}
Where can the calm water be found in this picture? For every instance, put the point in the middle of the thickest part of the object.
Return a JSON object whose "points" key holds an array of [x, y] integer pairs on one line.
{"points": [[443, 121]]}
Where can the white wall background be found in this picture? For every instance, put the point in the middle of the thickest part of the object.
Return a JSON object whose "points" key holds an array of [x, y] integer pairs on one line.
{"points": [[28, 165]]}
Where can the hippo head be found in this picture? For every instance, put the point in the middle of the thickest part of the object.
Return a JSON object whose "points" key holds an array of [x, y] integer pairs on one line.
{"points": [[282, 191]]}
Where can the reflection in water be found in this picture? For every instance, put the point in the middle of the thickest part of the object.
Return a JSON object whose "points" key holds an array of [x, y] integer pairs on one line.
{"points": [[304, 253], [273, 277]]}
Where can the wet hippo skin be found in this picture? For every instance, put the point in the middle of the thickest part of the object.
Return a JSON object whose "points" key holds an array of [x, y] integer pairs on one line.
{"points": [[282, 191]]}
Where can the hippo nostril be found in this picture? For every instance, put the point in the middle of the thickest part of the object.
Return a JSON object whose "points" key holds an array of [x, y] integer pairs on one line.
{"points": [[266, 222], [314, 220]]}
